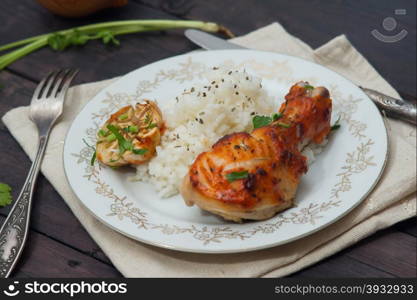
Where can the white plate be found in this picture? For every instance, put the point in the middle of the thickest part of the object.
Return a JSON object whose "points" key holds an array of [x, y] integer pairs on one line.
{"points": [[340, 178]]}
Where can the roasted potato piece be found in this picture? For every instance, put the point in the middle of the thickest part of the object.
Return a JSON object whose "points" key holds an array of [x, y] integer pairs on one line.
{"points": [[130, 136]]}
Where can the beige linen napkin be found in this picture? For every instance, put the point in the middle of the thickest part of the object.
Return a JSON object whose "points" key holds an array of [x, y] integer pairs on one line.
{"points": [[392, 200]]}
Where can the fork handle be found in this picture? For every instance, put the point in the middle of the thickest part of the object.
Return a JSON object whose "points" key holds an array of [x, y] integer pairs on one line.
{"points": [[15, 229]]}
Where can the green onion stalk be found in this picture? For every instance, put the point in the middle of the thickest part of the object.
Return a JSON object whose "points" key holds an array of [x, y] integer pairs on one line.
{"points": [[106, 32]]}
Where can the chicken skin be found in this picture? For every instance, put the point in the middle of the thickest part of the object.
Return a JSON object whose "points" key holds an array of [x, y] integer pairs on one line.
{"points": [[255, 175], [130, 135]]}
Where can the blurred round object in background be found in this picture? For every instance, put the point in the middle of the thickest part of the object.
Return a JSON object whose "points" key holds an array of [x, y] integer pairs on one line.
{"points": [[79, 8]]}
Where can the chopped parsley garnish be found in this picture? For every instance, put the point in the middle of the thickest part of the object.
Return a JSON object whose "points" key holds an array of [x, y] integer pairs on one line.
{"points": [[111, 138], [133, 129], [148, 122], [5, 194], [140, 151], [148, 119], [336, 125], [237, 175], [308, 87], [152, 125], [284, 125], [261, 121], [276, 116], [123, 117], [101, 132], [123, 143], [93, 158]]}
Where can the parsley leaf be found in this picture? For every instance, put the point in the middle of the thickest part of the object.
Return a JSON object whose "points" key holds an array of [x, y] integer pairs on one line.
{"points": [[261, 121], [110, 138], [308, 87], [132, 129], [336, 125], [5, 194], [93, 158], [107, 37], [148, 119], [276, 116], [78, 38], [101, 132], [284, 125], [237, 175], [148, 122], [140, 151], [123, 143], [60, 41], [123, 117]]}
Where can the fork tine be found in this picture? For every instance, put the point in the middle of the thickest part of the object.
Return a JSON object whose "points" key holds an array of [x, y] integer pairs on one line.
{"points": [[60, 77], [40, 87], [69, 77], [51, 79]]}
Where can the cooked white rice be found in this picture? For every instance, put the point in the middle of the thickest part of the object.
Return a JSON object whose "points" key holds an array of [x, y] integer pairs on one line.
{"points": [[312, 150], [198, 117]]}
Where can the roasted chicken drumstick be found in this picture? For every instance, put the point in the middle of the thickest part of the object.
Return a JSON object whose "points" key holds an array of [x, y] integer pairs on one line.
{"points": [[255, 175]]}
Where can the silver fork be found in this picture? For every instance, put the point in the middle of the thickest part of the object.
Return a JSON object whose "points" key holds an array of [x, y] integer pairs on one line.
{"points": [[45, 108]]}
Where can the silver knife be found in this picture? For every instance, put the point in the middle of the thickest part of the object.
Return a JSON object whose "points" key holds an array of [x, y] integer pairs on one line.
{"points": [[396, 108]]}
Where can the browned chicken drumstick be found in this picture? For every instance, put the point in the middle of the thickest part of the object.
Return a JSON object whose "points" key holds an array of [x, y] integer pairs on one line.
{"points": [[255, 175]]}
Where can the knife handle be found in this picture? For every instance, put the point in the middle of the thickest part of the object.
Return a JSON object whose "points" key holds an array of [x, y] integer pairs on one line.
{"points": [[396, 108]]}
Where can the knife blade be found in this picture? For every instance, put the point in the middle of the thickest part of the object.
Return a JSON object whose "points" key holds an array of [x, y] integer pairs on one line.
{"points": [[209, 41], [396, 108]]}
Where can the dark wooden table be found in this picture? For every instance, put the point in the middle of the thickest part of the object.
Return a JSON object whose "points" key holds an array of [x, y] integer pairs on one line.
{"points": [[58, 245]]}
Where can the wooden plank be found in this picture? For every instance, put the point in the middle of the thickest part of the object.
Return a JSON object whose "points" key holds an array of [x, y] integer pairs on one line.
{"points": [[391, 251], [44, 257], [50, 214], [95, 60], [304, 19], [341, 265], [408, 226]]}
